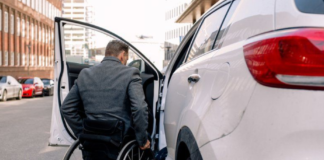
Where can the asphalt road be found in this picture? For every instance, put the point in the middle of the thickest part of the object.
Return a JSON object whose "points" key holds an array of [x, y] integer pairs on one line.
{"points": [[24, 130]]}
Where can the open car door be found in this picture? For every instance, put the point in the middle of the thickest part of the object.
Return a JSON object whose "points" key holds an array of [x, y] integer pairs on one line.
{"points": [[80, 45]]}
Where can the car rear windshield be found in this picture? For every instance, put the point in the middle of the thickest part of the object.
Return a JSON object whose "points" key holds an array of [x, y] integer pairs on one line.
{"points": [[3, 79], [46, 81], [310, 6], [26, 81]]}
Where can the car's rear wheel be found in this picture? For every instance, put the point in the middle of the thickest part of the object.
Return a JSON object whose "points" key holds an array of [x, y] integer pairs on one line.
{"points": [[42, 95], [19, 95], [4, 96]]}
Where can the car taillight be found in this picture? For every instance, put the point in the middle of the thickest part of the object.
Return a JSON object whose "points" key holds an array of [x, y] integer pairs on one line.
{"points": [[288, 59]]}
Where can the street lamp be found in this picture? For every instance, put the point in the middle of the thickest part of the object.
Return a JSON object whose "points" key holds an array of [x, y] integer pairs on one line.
{"points": [[28, 46]]}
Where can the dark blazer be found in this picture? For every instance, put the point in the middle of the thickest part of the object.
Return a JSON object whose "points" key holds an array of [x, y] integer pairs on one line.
{"points": [[108, 90]]}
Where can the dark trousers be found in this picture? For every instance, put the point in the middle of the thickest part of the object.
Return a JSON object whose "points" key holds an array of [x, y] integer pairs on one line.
{"points": [[99, 151]]}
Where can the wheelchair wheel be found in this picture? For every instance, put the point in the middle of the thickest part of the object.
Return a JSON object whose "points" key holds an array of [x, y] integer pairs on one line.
{"points": [[74, 153], [131, 151]]}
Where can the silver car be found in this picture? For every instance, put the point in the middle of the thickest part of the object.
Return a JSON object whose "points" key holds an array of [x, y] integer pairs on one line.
{"points": [[9, 88]]}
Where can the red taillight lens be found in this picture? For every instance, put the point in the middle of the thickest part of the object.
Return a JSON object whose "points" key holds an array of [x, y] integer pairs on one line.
{"points": [[288, 59]]}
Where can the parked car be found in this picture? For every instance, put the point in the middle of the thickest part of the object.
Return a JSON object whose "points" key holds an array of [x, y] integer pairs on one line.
{"points": [[246, 83], [32, 86], [48, 86], [9, 88]]}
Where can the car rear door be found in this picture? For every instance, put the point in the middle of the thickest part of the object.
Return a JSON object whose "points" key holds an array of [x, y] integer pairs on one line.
{"points": [[80, 45]]}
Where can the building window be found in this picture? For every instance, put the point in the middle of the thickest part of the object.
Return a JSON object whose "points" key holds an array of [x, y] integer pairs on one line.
{"points": [[40, 33], [32, 31], [0, 20], [24, 1], [23, 59], [12, 60], [18, 59], [36, 32], [27, 29], [6, 22], [18, 26], [12, 24], [36, 5], [28, 3], [5, 58], [43, 10], [23, 28]]}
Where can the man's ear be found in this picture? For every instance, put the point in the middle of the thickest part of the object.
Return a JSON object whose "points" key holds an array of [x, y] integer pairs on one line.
{"points": [[121, 55]]}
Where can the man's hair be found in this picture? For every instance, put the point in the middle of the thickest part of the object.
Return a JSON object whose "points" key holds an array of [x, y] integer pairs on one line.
{"points": [[115, 47]]}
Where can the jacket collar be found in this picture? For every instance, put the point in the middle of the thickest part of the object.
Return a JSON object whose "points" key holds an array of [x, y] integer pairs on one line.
{"points": [[111, 58]]}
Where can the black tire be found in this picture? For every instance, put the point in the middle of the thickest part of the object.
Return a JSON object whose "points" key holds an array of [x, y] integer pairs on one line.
{"points": [[33, 94], [4, 96], [43, 94], [19, 95], [128, 150], [73, 153]]}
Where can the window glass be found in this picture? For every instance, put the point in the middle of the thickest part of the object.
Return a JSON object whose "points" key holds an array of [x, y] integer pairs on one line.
{"points": [[26, 81], [6, 58], [18, 26], [87, 46], [46, 81], [0, 20], [6, 22], [207, 33], [226, 25], [23, 28], [3, 79], [27, 29], [32, 31], [307, 6], [12, 24]]}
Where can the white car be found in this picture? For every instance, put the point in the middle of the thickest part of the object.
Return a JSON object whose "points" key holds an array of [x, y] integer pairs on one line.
{"points": [[245, 83], [9, 88]]}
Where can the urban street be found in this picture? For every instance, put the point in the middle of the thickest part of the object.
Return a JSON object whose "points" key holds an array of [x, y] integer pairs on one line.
{"points": [[25, 129]]}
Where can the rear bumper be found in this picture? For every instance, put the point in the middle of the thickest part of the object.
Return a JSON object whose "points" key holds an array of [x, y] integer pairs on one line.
{"points": [[277, 124]]}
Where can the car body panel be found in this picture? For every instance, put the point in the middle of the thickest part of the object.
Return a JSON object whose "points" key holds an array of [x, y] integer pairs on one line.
{"points": [[281, 123], [218, 112], [288, 16]]}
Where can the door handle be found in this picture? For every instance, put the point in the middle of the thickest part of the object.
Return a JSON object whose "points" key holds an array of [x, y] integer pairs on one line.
{"points": [[63, 87], [194, 78]]}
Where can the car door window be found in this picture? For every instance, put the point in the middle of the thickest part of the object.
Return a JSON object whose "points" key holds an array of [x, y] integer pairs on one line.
{"points": [[207, 33], [3, 79], [225, 26], [87, 46]]}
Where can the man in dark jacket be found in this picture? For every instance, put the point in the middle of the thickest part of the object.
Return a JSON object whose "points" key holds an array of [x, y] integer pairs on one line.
{"points": [[109, 90]]}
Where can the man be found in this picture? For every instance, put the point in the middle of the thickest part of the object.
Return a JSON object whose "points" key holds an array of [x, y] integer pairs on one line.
{"points": [[109, 90]]}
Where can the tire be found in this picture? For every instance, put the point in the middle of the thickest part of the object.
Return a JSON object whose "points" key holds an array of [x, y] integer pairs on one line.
{"points": [[4, 96], [73, 153], [132, 151], [33, 94], [43, 94], [19, 95]]}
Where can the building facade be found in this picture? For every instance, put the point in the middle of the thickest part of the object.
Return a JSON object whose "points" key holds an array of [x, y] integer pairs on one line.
{"points": [[174, 32], [78, 41], [27, 37]]}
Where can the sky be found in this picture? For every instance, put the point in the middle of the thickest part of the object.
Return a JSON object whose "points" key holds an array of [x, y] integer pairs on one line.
{"points": [[129, 18]]}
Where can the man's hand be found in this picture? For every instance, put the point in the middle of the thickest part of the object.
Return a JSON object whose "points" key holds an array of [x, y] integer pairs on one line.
{"points": [[146, 146]]}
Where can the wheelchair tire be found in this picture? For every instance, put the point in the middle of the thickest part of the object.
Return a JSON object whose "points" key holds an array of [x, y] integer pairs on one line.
{"points": [[131, 151], [74, 153]]}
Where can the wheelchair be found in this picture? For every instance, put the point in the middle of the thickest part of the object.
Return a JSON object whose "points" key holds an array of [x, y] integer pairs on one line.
{"points": [[94, 141]]}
